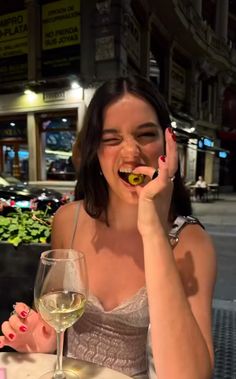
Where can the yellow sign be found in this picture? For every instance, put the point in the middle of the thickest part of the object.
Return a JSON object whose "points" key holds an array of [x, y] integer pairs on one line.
{"points": [[60, 24], [13, 34]]}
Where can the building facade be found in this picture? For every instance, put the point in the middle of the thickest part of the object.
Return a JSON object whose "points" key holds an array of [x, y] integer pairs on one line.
{"points": [[53, 54]]}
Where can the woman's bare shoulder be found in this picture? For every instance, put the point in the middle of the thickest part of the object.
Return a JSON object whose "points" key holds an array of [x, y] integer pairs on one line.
{"points": [[195, 254], [66, 210], [193, 237], [63, 224], [196, 261]]}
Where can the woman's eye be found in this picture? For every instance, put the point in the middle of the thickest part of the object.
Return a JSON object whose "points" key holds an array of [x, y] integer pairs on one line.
{"points": [[148, 135], [111, 141]]}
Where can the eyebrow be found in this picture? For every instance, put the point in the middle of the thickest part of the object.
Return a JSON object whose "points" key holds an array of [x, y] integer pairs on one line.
{"points": [[140, 127]]}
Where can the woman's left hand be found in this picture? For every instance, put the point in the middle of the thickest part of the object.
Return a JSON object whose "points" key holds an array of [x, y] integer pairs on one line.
{"points": [[155, 196]]}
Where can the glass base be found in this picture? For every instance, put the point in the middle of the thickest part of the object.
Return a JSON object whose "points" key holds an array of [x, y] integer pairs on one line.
{"points": [[67, 375]]}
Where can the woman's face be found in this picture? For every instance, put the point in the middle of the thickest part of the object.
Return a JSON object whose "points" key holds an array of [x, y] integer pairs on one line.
{"points": [[132, 136]]}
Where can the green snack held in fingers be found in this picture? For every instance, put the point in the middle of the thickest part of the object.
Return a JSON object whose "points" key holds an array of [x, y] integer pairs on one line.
{"points": [[135, 179]]}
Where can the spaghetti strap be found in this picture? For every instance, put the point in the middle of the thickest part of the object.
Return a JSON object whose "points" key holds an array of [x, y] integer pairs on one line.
{"points": [[75, 225]]}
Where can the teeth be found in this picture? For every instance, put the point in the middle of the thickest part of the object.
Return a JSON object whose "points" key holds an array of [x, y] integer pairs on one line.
{"points": [[126, 170]]}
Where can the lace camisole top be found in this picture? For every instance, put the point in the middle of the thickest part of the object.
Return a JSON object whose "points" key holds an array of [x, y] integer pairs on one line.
{"points": [[117, 338]]}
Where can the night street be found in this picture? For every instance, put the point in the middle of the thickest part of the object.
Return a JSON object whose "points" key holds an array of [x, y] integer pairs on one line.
{"points": [[219, 218]]}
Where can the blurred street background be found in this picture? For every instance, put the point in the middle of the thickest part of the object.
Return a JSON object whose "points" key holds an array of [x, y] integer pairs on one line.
{"points": [[219, 219]]}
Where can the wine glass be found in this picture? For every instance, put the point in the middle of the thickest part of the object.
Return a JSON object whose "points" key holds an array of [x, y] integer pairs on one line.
{"points": [[60, 294]]}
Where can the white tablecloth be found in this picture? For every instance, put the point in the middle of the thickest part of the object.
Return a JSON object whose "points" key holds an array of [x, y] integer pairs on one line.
{"points": [[31, 366]]}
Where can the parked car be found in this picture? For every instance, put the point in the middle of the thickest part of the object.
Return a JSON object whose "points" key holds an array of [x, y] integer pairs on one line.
{"points": [[19, 194]]}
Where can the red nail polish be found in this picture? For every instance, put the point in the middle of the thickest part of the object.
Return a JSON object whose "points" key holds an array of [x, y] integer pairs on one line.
{"points": [[173, 136], [23, 314], [11, 336], [170, 130], [163, 158], [23, 328]]}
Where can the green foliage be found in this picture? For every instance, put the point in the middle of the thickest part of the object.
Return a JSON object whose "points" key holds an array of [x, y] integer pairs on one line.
{"points": [[25, 227]]}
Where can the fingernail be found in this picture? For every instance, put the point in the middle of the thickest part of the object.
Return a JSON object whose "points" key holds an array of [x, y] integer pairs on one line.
{"points": [[155, 175], [173, 136], [11, 336], [23, 328], [163, 158], [170, 130], [24, 314]]}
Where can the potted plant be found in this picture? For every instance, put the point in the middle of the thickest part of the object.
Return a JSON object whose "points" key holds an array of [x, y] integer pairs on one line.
{"points": [[23, 237], [25, 227]]}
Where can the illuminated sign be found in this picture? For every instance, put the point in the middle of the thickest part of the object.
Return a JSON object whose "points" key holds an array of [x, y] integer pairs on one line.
{"points": [[61, 24], [13, 46], [208, 142], [61, 38], [200, 144], [205, 142], [13, 34], [222, 154]]}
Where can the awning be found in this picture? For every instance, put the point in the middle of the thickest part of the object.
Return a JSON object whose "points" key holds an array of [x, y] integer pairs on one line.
{"points": [[186, 134], [184, 126], [217, 149]]}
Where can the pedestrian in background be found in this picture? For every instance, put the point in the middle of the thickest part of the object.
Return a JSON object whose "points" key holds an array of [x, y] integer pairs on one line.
{"points": [[200, 188]]}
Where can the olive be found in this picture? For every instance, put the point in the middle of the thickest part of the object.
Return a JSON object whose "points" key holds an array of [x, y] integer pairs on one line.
{"points": [[135, 179]]}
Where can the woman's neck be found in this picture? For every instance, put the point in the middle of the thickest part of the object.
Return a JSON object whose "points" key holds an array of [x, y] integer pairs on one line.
{"points": [[122, 215]]}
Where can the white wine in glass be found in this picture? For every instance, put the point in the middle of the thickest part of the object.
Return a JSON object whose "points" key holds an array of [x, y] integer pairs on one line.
{"points": [[60, 294]]}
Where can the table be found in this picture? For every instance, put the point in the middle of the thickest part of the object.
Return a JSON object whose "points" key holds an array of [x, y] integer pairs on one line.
{"points": [[31, 366], [214, 190], [200, 193]]}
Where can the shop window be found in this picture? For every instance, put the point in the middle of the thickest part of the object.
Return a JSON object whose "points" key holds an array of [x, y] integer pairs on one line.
{"points": [[15, 161], [14, 154], [58, 135]]}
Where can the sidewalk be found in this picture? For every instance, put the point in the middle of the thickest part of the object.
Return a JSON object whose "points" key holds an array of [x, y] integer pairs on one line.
{"points": [[219, 218], [218, 212]]}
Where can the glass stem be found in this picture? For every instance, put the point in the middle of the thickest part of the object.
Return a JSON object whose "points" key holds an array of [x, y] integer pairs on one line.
{"points": [[60, 343]]}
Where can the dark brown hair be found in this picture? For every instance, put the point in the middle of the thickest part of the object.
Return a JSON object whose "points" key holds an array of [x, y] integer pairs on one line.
{"points": [[92, 186]]}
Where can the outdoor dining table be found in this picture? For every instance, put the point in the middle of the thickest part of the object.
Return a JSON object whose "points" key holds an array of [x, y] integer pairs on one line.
{"points": [[32, 366]]}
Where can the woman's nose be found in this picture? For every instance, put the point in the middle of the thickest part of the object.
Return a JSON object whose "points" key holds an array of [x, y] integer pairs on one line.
{"points": [[130, 146]]}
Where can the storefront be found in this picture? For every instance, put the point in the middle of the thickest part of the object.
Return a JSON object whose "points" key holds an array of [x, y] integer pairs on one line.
{"points": [[13, 147], [37, 132], [57, 133]]}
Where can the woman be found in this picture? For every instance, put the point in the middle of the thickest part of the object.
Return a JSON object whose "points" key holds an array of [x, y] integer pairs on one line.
{"points": [[135, 274]]}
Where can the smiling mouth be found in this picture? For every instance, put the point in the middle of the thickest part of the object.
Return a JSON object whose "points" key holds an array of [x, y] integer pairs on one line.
{"points": [[133, 179]]}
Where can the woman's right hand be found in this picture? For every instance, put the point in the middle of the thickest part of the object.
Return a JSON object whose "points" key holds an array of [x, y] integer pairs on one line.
{"points": [[155, 196], [25, 331]]}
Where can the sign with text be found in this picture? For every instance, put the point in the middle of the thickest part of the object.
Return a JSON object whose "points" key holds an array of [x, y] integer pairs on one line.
{"points": [[13, 34], [61, 37], [13, 43], [53, 96], [13, 132]]}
